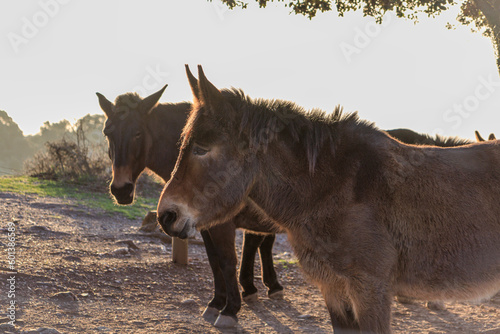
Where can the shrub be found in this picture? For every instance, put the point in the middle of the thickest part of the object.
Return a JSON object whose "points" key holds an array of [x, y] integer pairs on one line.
{"points": [[69, 161]]}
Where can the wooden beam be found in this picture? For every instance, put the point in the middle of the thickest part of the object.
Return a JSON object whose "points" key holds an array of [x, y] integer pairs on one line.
{"points": [[180, 251]]}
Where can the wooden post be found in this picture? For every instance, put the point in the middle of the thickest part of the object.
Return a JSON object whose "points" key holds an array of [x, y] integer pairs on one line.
{"points": [[180, 251]]}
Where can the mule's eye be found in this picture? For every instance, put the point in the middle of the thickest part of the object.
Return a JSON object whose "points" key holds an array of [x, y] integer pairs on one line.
{"points": [[199, 151]]}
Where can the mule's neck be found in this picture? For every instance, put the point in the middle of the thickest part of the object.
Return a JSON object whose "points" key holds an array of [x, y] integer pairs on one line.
{"points": [[287, 190], [164, 126]]}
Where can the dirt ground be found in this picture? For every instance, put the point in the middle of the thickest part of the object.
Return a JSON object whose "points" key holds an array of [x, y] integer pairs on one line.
{"points": [[82, 271]]}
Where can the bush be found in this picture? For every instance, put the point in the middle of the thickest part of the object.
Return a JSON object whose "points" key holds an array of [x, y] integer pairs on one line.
{"points": [[76, 159], [69, 161]]}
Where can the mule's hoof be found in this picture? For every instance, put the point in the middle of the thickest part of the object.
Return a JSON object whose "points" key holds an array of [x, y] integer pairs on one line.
{"points": [[436, 306], [210, 314], [225, 321], [251, 298], [278, 295]]}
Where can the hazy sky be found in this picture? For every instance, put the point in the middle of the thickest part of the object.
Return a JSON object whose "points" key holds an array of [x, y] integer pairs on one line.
{"points": [[55, 54]]}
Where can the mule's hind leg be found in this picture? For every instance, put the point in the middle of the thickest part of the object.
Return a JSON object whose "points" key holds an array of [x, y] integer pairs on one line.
{"points": [[251, 243], [275, 290]]}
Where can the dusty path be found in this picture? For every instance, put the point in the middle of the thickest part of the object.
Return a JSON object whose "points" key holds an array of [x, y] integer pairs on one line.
{"points": [[79, 272]]}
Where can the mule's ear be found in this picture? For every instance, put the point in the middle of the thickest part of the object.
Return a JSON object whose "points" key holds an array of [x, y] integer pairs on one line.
{"points": [[478, 136], [106, 105], [193, 82], [210, 96], [492, 137], [149, 102]]}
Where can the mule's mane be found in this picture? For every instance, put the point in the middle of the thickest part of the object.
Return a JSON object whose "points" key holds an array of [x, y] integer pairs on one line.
{"points": [[411, 137], [264, 119], [450, 141]]}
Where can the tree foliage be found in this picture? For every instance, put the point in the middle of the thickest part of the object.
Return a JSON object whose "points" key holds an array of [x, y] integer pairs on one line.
{"points": [[482, 15], [376, 8], [14, 148]]}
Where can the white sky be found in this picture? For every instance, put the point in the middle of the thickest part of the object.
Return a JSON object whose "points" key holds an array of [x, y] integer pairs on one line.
{"points": [[401, 75]]}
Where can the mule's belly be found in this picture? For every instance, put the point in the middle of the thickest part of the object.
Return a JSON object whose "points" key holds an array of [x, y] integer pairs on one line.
{"points": [[470, 274], [470, 292]]}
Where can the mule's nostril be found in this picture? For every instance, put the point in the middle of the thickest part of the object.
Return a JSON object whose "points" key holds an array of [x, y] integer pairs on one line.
{"points": [[168, 218]]}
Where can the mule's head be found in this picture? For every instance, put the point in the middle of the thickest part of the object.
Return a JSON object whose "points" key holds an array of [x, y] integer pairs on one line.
{"points": [[128, 141], [213, 173]]}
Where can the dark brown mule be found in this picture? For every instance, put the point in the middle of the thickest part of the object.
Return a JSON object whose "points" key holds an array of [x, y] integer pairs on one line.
{"points": [[368, 216], [143, 134]]}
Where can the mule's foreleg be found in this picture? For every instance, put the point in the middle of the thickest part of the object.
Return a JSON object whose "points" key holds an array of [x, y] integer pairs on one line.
{"points": [[275, 290], [340, 308], [251, 243], [219, 299], [371, 300], [223, 239]]}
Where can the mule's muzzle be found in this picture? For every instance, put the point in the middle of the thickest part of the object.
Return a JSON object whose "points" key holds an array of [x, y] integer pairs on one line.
{"points": [[168, 219], [124, 194]]}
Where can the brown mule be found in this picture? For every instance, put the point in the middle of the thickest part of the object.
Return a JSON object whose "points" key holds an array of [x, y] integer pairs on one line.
{"points": [[143, 134], [368, 216]]}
